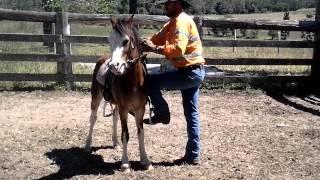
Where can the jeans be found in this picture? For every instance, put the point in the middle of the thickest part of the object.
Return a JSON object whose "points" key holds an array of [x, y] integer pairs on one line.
{"points": [[188, 81]]}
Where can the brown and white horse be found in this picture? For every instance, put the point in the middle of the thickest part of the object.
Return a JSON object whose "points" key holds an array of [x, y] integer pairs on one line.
{"points": [[128, 87]]}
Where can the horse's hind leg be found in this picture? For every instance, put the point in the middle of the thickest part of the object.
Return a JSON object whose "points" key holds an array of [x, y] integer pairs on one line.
{"points": [[144, 161], [95, 102]]}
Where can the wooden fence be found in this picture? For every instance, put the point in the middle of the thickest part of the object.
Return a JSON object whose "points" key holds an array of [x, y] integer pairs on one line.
{"points": [[64, 59]]}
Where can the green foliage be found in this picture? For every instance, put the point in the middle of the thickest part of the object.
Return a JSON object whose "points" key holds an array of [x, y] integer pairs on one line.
{"points": [[221, 32], [253, 34], [122, 6], [285, 34], [151, 6], [104, 7], [223, 8], [309, 15], [243, 32], [273, 34], [286, 16]]}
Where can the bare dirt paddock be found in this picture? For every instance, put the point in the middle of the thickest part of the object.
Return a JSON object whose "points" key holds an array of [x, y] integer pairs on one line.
{"points": [[244, 136]]}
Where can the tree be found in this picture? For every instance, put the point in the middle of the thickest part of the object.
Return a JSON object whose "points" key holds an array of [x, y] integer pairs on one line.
{"points": [[197, 7], [273, 34], [133, 5], [123, 6], [150, 7], [222, 7], [210, 7], [239, 7], [251, 7], [105, 7], [285, 34], [48, 6], [244, 32]]}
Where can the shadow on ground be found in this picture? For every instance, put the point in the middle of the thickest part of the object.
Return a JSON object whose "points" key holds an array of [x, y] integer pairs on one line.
{"points": [[310, 98], [302, 107], [75, 161]]}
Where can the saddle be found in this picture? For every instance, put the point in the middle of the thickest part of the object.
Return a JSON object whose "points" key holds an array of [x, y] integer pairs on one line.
{"points": [[107, 86], [105, 77]]}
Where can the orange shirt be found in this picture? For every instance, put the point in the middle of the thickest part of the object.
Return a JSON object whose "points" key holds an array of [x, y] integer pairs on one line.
{"points": [[181, 41]]}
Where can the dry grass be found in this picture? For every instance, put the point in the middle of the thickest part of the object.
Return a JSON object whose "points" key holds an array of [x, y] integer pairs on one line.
{"points": [[263, 137]]}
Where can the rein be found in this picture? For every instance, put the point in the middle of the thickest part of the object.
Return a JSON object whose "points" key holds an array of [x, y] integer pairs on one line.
{"points": [[132, 61]]}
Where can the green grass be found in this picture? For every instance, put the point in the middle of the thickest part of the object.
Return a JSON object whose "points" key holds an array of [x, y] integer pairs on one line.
{"points": [[294, 15]]}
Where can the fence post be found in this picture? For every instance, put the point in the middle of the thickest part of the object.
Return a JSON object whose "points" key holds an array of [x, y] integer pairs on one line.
{"points": [[279, 38], [315, 67], [64, 67], [235, 38], [198, 21]]}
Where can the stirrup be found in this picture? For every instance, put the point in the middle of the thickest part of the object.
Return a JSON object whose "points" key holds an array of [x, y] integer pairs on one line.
{"points": [[104, 109]]}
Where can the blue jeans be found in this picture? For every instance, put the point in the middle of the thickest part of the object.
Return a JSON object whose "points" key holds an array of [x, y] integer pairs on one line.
{"points": [[188, 81]]}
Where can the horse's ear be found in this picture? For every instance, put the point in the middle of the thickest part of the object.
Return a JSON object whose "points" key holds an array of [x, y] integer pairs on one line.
{"points": [[131, 20], [113, 21]]}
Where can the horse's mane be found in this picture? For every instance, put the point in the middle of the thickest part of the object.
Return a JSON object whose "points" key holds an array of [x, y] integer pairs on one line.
{"points": [[123, 27]]}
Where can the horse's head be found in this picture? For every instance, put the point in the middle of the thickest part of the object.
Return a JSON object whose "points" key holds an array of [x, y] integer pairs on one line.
{"points": [[124, 44]]}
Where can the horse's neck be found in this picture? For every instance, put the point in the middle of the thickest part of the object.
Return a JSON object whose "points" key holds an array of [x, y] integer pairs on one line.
{"points": [[139, 74]]}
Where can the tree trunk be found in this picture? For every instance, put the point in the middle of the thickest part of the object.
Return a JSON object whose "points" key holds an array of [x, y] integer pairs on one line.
{"points": [[133, 5]]}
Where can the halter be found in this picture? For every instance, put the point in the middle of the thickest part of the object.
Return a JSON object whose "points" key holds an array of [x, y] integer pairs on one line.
{"points": [[129, 64]]}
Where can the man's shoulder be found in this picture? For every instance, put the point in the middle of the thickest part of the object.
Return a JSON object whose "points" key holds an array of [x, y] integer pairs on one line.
{"points": [[184, 16], [185, 19]]}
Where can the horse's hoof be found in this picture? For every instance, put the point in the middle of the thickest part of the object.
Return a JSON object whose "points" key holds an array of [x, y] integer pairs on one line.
{"points": [[116, 147], [87, 146], [125, 168], [148, 167], [87, 149]]}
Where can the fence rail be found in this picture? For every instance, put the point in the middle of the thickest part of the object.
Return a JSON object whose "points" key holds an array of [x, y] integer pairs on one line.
{"points": [[62, 41], [103, 40], [153, 60]]}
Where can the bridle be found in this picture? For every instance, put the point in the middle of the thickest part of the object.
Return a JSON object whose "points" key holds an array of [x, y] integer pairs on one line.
{"points": [[131, 62]]}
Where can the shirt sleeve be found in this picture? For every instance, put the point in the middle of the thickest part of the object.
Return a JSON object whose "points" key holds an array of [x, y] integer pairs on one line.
{"points": [[158, 39], [177, 47]]}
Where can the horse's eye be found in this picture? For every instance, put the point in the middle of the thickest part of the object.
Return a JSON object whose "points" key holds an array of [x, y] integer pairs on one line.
{"points": [[125, 42]]}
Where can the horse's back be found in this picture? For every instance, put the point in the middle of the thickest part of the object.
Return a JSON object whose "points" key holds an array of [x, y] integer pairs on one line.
{"points": [[99, 63]]}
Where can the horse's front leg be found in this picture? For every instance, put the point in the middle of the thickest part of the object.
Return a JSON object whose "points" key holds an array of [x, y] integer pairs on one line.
{"points": [[125, 166], [115, 118], [144, 160]]}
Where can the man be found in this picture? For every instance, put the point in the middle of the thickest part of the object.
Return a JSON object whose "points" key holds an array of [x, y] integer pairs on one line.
{"points": [[179, 41]]}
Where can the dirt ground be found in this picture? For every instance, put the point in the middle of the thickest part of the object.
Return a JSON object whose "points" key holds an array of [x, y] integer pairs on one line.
{"points": [[245, 135]]}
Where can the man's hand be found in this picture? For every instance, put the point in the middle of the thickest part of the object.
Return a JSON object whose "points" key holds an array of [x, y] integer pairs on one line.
{"points": [[148, 46]]}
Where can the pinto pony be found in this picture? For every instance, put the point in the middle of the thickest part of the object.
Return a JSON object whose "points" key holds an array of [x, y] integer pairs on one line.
{"points": [[128, 89]]}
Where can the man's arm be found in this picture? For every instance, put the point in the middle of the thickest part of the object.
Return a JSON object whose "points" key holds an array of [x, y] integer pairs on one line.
{"points": [[177, 46], [179, 41]]}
